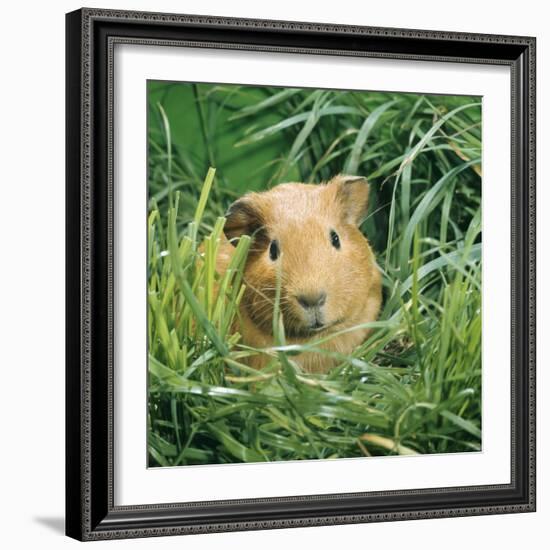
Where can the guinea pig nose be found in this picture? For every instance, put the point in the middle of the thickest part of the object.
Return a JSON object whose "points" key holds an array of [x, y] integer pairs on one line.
{"points": [[312, 299]]}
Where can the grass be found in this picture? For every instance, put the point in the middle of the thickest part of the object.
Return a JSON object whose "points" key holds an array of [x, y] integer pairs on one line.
{"points": [[415, 385]]}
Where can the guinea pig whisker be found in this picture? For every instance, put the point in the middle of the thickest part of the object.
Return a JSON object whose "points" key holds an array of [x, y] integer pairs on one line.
{"points": [[257, 290], [264, 310]]}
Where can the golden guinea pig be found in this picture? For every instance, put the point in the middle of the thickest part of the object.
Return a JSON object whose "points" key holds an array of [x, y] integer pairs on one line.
{"points": [[309, 234]]}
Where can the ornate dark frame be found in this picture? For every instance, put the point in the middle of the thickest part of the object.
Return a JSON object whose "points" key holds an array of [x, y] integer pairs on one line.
{"points": [[90, 40]]}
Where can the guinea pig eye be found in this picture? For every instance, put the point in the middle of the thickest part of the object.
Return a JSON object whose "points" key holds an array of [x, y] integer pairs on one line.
{"points": [[334, 239], [273, 250]]}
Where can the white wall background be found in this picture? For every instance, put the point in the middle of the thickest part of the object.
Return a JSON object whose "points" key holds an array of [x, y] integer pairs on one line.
{"points": [[32, 272]]}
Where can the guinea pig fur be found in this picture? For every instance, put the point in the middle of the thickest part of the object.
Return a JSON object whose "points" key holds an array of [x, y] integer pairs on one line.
{"points": [[329, 278]]}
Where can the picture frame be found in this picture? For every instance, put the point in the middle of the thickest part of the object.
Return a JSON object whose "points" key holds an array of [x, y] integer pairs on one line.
{"points": [[91, 338]]}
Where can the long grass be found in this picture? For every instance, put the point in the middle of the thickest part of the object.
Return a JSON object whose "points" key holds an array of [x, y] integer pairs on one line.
{"points": [[415, 385]]}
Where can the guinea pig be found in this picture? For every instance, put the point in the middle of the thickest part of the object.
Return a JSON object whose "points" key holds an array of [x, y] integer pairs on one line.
{"points": [[308, 235]]}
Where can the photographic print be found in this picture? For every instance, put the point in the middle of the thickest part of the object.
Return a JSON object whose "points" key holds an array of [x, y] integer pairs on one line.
{"points": [[314, 273], [300, 269]]}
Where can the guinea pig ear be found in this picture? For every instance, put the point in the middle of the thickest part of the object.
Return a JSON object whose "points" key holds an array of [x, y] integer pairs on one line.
{"points": [[242, 218], [353, 195]]}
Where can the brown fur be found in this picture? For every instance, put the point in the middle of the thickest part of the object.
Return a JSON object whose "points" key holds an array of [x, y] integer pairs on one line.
{"points": [[300, 217]]}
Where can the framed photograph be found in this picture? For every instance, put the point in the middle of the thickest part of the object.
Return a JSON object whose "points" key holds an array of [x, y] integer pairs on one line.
{"points": [[300, 274]]}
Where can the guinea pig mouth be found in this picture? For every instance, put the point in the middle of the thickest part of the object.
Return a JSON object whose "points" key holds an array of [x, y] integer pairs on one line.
{"points": [[309, 330]]}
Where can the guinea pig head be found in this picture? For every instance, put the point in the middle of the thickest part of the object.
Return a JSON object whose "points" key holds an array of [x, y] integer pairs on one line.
{"points": [[307, 235]]}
